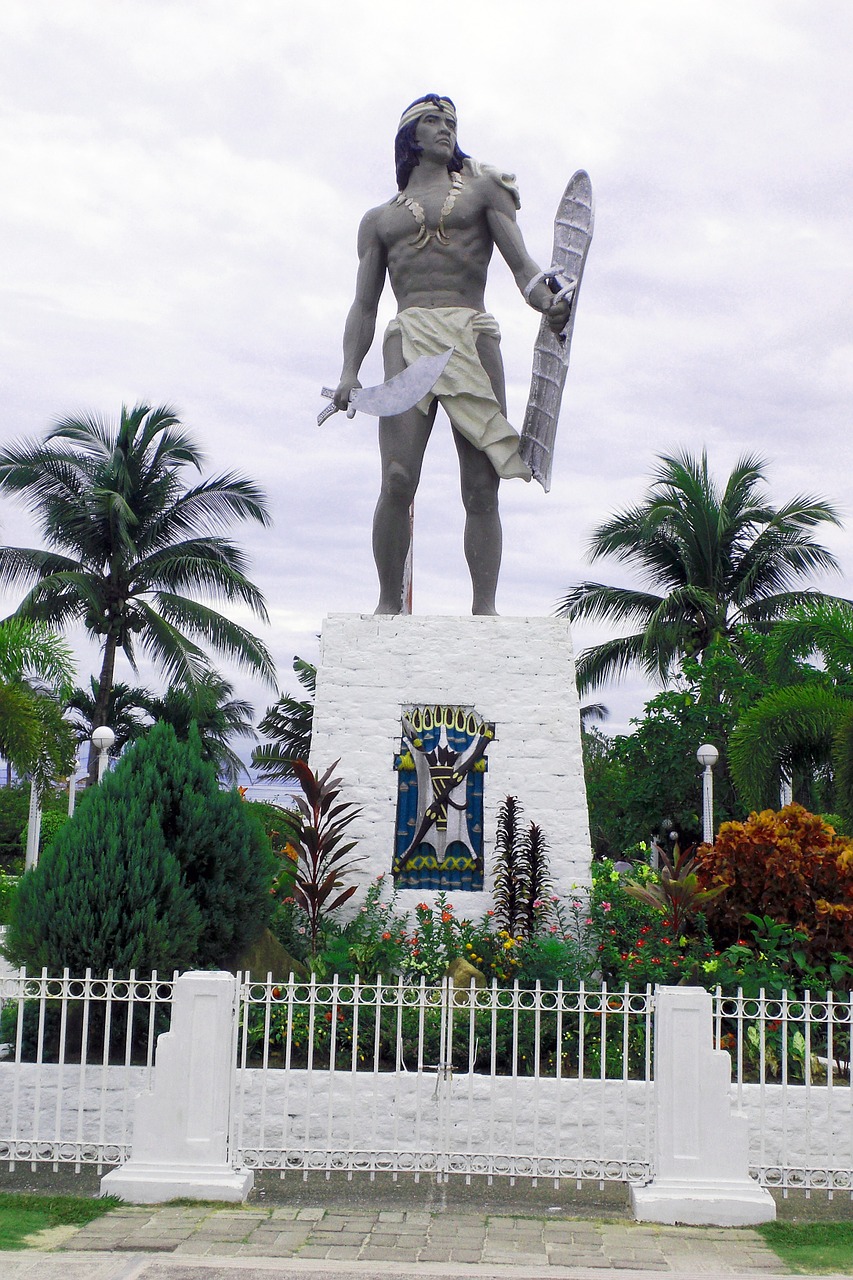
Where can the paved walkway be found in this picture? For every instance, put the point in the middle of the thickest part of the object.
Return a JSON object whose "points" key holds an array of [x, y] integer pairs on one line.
{"points": [[205, 1243]]}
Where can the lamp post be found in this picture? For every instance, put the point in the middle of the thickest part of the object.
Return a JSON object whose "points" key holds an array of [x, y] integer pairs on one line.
{"points": [[707, 755], [102, 739]]}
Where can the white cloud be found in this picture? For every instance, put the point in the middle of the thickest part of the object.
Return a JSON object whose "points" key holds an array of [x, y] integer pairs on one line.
{"points": [[183, 187]]}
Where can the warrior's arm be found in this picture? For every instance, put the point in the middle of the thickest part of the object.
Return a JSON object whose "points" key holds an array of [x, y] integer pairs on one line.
{"points": [[506, 233], [361, 321]]}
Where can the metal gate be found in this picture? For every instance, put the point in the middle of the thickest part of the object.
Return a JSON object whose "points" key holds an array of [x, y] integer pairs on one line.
{"points": [[434, 1079]]}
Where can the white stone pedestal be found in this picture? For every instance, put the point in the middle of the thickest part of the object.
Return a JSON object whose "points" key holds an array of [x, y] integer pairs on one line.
{"points": [[701, 1144], [180, 1129], [517, 672]]}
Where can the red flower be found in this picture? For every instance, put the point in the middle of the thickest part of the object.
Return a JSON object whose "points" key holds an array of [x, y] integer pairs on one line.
{"points": [[386, 937], [446, 917]]}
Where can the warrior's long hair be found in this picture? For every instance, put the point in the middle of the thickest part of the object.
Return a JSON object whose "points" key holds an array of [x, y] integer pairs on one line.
{"points": [[407, 152]]}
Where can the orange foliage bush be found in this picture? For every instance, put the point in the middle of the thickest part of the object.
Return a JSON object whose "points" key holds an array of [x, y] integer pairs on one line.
{"points": [[789, 865]]}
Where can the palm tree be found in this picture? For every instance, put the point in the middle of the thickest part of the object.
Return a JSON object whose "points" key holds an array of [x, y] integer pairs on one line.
{"points": [[208, 703], [126, 713], [806, 725], [36, 670], [288, 723], [714, 560], [129, 541]]}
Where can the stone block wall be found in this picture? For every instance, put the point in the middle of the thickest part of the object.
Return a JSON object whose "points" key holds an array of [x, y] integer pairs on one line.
{"points": [[517, 672]]}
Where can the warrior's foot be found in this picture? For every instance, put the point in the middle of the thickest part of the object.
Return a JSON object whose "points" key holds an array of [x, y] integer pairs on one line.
{"points": [[485, 611], [392, 607]]}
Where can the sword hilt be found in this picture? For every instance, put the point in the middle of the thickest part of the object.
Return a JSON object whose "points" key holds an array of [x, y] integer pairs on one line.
{"points": [[329, 409], [329, 393]]}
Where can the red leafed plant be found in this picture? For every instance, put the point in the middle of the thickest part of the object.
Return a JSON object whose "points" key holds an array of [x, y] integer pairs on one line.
{"points": [[789, 865], [679, 894], [321, 847]]}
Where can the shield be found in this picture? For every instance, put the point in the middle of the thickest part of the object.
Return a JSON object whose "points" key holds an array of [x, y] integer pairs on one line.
{"points": [[572, 235]]}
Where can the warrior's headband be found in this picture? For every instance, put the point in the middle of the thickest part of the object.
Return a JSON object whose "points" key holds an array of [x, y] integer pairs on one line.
{"points": [[422, 106]]}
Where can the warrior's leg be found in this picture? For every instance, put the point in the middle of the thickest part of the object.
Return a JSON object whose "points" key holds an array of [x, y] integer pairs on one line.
{"points": [[402, 441], [483, 534]]}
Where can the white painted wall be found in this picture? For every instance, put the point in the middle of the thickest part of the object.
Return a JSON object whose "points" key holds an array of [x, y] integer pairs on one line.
{"points": [[517, 672], [790, 1125]]}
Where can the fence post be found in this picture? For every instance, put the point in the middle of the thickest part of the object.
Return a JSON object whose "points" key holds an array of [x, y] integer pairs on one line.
{"points": [[180, 1131], [701, 1149]]}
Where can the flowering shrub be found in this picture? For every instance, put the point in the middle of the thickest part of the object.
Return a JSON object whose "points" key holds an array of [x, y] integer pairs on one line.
{"points": [[637, 942]]}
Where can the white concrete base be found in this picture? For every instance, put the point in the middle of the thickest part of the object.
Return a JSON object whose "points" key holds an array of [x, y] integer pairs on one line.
{"points": [[714, 1204], [157, 1183], [516, 672], [180, 1126]]}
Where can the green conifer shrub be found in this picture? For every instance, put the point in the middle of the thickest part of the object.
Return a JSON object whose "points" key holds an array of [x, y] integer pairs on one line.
{"points": [[157, 869]]}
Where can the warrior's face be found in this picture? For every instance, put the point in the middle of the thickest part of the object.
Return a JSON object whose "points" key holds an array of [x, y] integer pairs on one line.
{"points": [[436, 135]]}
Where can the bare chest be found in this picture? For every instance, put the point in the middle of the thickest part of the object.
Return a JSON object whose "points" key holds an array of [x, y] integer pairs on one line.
{"points": [[434, 217]]}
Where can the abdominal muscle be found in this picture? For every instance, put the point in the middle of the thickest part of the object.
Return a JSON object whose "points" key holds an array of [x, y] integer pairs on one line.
{"points": [[452, 275]]}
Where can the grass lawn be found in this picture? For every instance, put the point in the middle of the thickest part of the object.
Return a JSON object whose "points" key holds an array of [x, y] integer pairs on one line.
{"points": [[812, 1246], [21, 1215]]}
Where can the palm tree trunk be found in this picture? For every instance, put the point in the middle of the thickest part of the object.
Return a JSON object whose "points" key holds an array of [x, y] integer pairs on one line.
{"points": [[102, 702]]}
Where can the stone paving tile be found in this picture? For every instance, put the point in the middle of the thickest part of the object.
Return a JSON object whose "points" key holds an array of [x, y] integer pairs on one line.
{"points": [[310, 1215], [334, 1239], [371, 1253], [196, 1248]]}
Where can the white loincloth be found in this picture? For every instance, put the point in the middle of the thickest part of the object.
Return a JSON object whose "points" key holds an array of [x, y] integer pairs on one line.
{"points": [[464, 389]]}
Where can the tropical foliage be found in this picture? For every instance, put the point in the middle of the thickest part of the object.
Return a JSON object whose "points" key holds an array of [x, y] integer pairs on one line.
{"points": [[125, 712], [803, 728], [288, 724], [209, 704], [789, 866], [129, 545], [36, 671], [522, 878], [321, 847], [714, 559], [648, 781], [677, 893]]}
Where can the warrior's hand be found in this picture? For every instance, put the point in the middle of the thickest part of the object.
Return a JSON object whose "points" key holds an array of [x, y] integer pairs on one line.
{"points": [[556, 310], [342, 395]]}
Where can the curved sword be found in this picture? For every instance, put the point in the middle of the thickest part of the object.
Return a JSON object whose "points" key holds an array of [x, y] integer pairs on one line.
{"points": [[396, 395]]}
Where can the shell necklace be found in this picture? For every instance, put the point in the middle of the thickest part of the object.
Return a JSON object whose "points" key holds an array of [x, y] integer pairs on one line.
{"points": [[424, 236]]}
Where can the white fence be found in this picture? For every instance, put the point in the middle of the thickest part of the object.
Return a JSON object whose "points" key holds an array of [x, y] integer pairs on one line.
{"points": [[418, 1079], [429, 1080], [791, 1077], [77, 1051]]}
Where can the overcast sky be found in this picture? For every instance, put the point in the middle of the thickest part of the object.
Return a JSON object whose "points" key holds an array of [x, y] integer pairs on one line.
{"points": [[181, 189]]}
